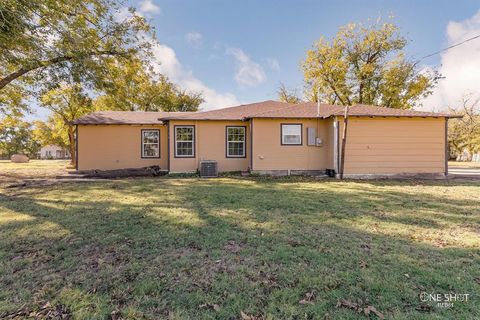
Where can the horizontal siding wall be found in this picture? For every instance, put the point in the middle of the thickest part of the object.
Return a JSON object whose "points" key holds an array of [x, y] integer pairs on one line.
{"points": [[108, 147], [210, 144], [395, 145], [270, 154]]}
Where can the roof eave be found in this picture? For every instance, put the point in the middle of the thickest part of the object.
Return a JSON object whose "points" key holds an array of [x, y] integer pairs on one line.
{"points": [[117, 123]]}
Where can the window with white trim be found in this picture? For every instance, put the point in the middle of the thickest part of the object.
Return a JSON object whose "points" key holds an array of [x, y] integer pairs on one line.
{"points": [[150, 143], [185, 141], [235, 142], [291, 134]]}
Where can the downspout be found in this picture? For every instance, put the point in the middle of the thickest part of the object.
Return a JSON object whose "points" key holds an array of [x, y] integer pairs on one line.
{"points": [[197, 144], [76, 147], [168, 146], [251, 144]]}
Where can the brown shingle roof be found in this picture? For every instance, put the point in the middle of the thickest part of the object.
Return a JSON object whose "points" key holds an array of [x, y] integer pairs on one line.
{"points": [[125, 117], [265, 109], [233, 113], [309, 110], [373, 111]]}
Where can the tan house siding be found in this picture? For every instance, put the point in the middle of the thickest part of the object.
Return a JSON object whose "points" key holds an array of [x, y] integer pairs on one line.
{"points": [[395, 145], [210, 144], [375, 146], [269, 154], [108, 147]]}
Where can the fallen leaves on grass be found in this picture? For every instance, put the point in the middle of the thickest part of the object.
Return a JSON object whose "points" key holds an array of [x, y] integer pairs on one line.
{"points": [[423, 307], [212, 306], [116, 315], [234, 247], [365, 247], [46, 311], [294, 243], [359, 307], [308, 298], [373, 310], [348, 304], [249, 317]]}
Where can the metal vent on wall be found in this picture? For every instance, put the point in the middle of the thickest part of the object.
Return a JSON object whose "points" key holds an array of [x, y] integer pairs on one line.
{"points": [[208, 169]]}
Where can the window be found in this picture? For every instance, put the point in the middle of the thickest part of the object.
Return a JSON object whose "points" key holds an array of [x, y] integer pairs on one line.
{"points": [[235, 142], [185, 141], [291, 134], [150, 143]]}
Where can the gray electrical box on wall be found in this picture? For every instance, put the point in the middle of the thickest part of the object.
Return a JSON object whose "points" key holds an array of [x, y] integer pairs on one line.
{"points": [[311, 136]]}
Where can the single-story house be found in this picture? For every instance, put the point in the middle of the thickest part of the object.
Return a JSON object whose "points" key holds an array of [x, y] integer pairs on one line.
{"points": [[53, 151], [268, 137]]}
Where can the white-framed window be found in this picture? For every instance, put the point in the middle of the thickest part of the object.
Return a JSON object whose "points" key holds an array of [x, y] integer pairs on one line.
{"points": [[185, 141], [150, 143], [291, 134], [235, 137]]}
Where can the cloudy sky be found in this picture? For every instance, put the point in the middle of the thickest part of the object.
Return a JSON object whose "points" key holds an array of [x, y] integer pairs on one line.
{"points": [[240, 51]]}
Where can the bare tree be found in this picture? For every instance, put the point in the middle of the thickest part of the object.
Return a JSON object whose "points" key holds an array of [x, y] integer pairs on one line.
{"points": [[288, 95], [464, 133]]}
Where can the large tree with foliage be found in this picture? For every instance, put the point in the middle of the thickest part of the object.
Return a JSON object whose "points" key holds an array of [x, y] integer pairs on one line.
{"points": [[53, 131], [365, 64], [134, 86], [16, 137], [45, 42], [68, 102]]}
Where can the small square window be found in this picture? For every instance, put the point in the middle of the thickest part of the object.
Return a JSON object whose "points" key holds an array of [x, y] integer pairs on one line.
{"points": [[291, 134]]}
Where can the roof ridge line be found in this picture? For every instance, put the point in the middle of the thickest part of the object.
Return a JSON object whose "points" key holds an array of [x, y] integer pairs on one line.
{"points": [[282, 108], [194, 113], [240, 105]]}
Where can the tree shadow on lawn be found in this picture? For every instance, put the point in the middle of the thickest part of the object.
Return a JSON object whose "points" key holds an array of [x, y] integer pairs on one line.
{"points": [[162, 248]]}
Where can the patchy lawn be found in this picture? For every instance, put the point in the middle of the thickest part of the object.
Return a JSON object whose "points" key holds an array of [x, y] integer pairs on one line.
{"points": [[235, 248], [32, 169]]}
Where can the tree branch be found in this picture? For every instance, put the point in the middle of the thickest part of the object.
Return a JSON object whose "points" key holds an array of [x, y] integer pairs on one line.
{"points": [[23, 70]]}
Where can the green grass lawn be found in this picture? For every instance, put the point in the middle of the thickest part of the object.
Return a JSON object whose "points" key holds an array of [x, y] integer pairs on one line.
{"points": [[233, 248]]}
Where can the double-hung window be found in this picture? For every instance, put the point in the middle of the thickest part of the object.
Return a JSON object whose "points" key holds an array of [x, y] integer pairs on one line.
{"points": [[150, 143], [236, 142], [185, 141], [291, 134]]}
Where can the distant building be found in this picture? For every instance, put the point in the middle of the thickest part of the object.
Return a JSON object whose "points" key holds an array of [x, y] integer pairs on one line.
{"points": [[52, 151]]}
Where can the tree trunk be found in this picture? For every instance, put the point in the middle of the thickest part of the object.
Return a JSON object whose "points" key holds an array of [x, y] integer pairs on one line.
{"points": [[72, 146], [344, 142]]}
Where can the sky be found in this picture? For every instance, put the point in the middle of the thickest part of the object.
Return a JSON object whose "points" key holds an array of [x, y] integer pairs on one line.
{"points": [[240, 51]]}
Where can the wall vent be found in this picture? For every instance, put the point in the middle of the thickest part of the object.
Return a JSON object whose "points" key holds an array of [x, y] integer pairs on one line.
{"points": [[208, 169]]}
